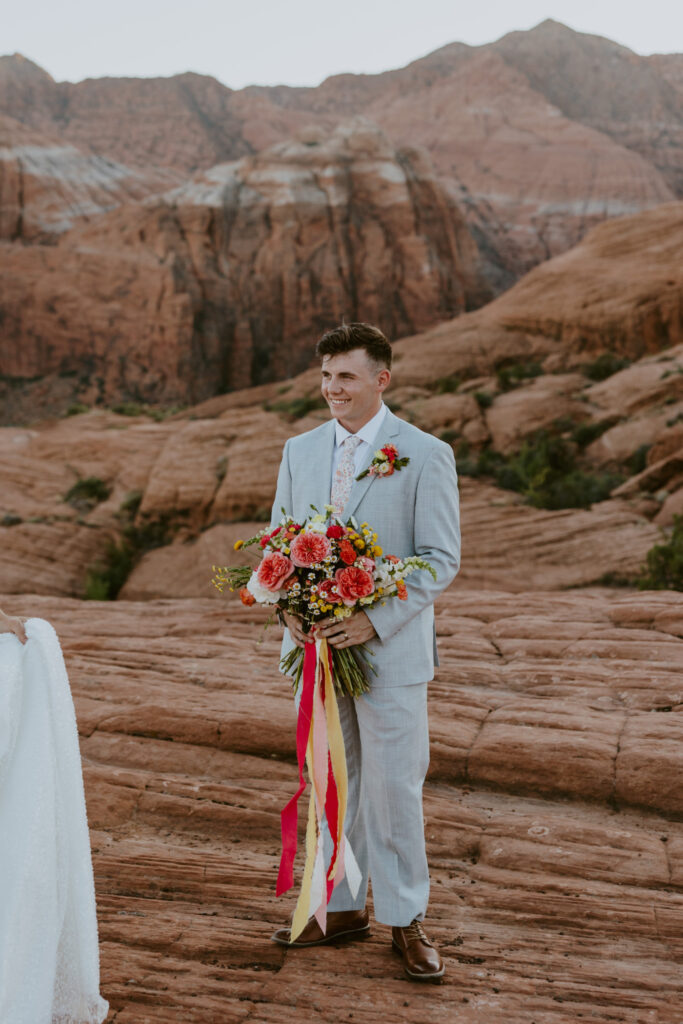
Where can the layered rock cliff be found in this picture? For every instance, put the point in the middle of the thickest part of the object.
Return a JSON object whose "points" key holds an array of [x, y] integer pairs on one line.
{"points": [[229, 280], [541, 134]]}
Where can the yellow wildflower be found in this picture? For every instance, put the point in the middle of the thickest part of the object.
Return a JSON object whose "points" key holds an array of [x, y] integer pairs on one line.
{"points": [[237, 545], [377, 551]]}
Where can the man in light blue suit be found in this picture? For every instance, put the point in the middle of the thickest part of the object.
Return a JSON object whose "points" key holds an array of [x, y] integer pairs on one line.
{"points": [[415, 512]]}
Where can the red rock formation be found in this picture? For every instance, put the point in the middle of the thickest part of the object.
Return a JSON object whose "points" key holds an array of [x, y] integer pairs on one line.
{"points": [[46, 186], [229, 280], [554, 837], [605, 86]]}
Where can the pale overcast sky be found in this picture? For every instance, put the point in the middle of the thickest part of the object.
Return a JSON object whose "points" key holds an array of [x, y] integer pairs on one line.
{"points": [[299, 42]]}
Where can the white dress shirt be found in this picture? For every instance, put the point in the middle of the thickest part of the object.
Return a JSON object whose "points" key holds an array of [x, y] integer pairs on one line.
{"points": [[368, 436]]}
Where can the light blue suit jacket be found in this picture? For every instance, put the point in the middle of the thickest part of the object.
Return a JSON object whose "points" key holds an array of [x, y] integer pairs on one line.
{"points": [[415, 511]]}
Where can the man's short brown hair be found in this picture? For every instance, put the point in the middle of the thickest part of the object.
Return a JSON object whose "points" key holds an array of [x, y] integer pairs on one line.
{"points": [[346, 337]]}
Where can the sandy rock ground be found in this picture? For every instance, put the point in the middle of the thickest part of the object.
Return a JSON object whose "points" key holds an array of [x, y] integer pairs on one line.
{"points": [[553, 814]]}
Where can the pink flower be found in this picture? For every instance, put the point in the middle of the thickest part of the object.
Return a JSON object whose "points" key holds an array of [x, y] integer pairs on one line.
{"points": [[274, 569], [366, 563], [309, 548], [353, 583]]}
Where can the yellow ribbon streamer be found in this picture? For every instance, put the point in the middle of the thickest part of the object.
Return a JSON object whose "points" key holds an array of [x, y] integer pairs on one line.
{"points": [[335, 740]]}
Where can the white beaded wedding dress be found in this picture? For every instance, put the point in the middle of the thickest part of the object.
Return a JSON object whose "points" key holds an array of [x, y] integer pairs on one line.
{"points": [[49, 958]]}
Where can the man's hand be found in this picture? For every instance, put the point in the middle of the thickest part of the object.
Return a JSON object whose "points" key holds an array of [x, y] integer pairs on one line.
{"points": [[16, 626], [296, 632], [357, 629]]}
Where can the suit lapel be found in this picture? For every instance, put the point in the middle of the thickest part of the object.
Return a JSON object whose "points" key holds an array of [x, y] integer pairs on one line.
{"points": [[389, 429]]}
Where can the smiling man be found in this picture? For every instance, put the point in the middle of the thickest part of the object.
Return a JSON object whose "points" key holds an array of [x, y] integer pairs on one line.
{"points": [[415, 512]]}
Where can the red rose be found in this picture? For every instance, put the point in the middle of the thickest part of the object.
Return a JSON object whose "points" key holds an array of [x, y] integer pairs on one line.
{"points": [[274, 569], [328, 591], [347, 552], [390, 452], [264, 540], [309, 548], [353, 583], [335, 532], [246, 597]]}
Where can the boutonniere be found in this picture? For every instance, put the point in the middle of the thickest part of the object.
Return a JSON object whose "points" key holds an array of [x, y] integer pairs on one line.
{"points": [[385, 462]]}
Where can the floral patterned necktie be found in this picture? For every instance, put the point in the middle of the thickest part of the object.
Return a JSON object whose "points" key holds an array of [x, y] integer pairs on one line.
{"points": [[344, 475]]}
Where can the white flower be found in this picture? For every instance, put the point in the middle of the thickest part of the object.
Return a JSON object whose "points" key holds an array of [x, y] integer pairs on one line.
{"points": [[384, 468], [317, 524], [262, 595]]}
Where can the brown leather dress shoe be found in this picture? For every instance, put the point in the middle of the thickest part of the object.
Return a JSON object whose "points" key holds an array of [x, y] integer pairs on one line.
{"points": [[421, 960], [340, 924]]}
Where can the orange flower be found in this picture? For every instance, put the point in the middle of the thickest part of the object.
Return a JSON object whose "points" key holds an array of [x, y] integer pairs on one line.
{"points": [[246, 597], [347, 553], [402, 591]]}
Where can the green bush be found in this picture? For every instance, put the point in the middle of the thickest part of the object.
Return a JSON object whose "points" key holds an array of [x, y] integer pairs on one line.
{"points": [[297, 408], [484, 399], [665, 562], [141, 409], [584, 434], [545, 472], [76, 408], [604, 366], [105, 578], [446, 385], [86, 493], [449, 435], [638, 461], [511, 375]]}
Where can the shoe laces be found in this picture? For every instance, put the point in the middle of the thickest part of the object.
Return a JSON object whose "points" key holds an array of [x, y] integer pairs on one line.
{"points": [[416, 931]]}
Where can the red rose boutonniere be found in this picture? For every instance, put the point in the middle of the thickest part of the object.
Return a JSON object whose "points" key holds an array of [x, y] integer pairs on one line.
{"points": [[385, 462]]}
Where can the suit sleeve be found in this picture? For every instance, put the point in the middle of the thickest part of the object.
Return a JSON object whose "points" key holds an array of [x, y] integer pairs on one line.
{"points": [[436, 538], [283, 491]]}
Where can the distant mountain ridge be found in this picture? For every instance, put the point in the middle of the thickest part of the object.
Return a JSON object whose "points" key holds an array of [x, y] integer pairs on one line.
{"points": [[540, 134]]}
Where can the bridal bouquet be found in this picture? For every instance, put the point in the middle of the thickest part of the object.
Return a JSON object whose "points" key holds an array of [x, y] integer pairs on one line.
{"points": [[318, 568]]}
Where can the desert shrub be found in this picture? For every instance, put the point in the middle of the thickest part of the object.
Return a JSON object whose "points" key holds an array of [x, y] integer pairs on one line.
{"points": [[545, 472], [638, 461], [155, 413], [604, 366], [297, 408], [9, 519], [86, 493], [665, 562], [105, 578], [511, 375], [449, 435], [76, 408], [128, 509], [446, 385], [484, 399], [584, 434]]}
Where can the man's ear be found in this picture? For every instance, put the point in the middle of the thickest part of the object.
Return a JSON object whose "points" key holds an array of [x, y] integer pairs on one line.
{"points": [[383, 378]]}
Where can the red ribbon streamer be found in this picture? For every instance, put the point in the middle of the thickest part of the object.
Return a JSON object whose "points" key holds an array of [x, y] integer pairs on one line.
{"points": [[289, 815]]}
